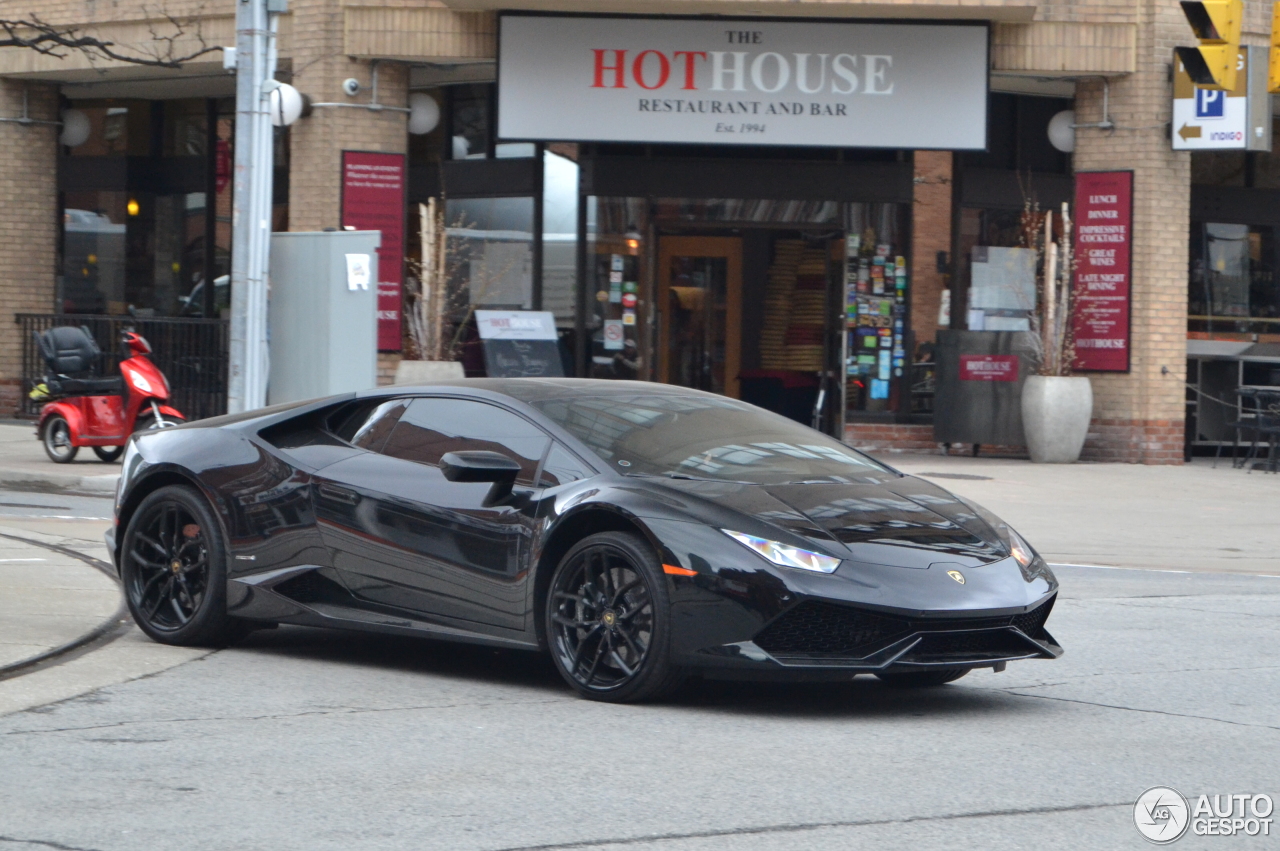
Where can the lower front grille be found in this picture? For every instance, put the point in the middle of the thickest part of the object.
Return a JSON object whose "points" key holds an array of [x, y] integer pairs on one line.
{"points": [[820, 629], [825, 628]]}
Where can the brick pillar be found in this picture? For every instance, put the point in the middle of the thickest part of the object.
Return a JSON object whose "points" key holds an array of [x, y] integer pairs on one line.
{"points": [[1138, 417], [28, 222], [930, 233], [317, 142]]}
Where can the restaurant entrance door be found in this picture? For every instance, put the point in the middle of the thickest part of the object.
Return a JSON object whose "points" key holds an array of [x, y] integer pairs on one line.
{"points": [[699, 306]]}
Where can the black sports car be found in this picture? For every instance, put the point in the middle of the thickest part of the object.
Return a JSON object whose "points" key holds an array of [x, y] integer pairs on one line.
{"points": [[639, 532]]}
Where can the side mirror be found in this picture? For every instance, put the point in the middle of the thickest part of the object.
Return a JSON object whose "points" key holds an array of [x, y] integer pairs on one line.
{"points": [[482, 466]]}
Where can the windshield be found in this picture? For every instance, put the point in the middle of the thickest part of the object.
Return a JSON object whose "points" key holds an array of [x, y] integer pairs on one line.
{"points": [[704, 438]]}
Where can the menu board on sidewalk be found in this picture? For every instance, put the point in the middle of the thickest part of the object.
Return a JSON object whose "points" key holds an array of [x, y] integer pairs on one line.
{"points": [[1103, 248], [373, 186]]}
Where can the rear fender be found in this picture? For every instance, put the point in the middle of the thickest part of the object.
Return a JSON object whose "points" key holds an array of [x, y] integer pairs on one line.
{"points": [[70, 412]]}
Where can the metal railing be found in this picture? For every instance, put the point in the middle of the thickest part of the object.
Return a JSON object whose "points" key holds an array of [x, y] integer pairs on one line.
{"points": [[192, 353]]}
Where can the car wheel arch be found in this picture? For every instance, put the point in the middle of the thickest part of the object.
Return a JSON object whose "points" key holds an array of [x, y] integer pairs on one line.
{"points": [[153, 481], [569, 530]]}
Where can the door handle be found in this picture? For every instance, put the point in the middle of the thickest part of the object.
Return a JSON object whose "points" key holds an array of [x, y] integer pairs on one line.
{"points": [[337, 494]]}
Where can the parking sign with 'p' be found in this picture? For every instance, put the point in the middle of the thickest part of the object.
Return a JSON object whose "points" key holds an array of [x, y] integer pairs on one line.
{"points": [[1210, 103]]}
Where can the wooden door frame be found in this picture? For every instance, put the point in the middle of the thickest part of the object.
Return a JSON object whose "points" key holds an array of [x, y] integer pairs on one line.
{"points": [[729, 248]]}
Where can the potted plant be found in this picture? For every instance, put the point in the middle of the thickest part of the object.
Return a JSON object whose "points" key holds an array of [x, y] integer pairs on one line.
{"points": [[431, 356], [1056, 405]]}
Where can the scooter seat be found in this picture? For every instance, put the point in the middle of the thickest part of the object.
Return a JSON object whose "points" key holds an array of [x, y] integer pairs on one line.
{"points": [[88, 386]]}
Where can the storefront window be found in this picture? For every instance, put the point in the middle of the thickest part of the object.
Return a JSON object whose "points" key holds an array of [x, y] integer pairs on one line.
{"points": [[560, 246], [1233, 286], [617, 320], [489, 264], [877, 356], [93, 239], [135, 234]]}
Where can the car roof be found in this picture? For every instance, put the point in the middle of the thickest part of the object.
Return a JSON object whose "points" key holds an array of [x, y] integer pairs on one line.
{"points": [[541, 389]]}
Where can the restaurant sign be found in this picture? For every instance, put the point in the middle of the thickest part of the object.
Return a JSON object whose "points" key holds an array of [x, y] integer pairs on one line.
{"points": [[988, 367], [1103, 246], [727, 81]]}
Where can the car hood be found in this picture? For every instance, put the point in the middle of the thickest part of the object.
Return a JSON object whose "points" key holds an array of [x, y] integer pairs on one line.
{"points": [[880, 519]]}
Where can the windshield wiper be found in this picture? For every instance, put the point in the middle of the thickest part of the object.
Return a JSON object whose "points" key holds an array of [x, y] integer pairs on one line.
{"points": [[673, 475]]}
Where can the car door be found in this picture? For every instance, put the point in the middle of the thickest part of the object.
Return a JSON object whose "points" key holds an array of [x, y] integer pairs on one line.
{"points": [[416, 541]]}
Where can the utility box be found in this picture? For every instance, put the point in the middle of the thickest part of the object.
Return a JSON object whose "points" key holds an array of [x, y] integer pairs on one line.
{"points": [[323, 318]]}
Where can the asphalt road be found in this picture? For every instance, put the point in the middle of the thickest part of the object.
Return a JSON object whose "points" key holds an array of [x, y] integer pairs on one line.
{"points": [[305, 739]]}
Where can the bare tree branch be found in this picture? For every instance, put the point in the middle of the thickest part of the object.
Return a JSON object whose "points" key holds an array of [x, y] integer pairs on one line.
{"points": [[164, 51]]}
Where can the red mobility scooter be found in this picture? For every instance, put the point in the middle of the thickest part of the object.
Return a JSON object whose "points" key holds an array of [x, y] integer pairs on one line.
{"points": [[90, 410]]}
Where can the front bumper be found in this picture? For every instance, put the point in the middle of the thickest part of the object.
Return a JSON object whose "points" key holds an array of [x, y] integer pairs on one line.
{"points": [[818, 639], [745, 616]]}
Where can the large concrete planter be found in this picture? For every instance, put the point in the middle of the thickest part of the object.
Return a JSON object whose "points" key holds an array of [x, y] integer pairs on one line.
{"points": [[427, 371], [1055, 417]]}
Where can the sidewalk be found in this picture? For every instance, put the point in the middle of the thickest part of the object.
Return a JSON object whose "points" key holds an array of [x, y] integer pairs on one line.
{"points": [[1191, 517], [23, 464]]}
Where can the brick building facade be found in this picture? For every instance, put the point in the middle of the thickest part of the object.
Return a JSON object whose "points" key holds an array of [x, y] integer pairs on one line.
{"points": [[1043, 56]]}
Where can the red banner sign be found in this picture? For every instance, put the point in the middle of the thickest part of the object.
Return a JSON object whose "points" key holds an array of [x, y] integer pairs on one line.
{"points": [[1104, 240], [373, 188], [988, 367]]}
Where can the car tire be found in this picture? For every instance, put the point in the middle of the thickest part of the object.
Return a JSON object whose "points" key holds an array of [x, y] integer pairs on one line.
{"points": [[108, 453], [55, 437], [149, 422], [174, 570], [921, 679], [608, 620]]}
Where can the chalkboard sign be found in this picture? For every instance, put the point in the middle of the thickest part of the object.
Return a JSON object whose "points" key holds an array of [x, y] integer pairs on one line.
{"points": [[519, 343]]}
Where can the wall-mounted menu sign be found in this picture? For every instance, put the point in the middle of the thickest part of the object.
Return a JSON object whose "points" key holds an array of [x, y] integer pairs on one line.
{"points": [[373, 199], [1103, 246], [735, 81]]}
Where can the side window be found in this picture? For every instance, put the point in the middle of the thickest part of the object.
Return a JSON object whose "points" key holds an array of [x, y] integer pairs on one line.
{"points": [[431, 427], [562, 467], [368, 425]]}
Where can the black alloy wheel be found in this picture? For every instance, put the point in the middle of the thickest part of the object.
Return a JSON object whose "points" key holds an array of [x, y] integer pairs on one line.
{"points": [[608, 620], [56, 437], [921, 679], [108, 453], [173, 565]]}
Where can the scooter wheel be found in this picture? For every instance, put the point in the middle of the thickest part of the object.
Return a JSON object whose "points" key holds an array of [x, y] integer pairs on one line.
{"points": [[56, 437], [108, 453], [149, 422]]}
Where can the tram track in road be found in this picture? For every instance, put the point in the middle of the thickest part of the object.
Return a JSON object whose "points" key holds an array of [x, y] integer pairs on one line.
{"points": [[101, 635]]}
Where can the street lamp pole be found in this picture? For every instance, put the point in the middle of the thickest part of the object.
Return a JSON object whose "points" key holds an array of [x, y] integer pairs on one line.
{"points": [[251, 218]]}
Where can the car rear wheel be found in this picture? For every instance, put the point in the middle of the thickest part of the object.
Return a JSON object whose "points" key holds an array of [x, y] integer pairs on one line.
{"points": [[608, 620], [56, 438], [921, 679], [173, 565], [108, 453]]}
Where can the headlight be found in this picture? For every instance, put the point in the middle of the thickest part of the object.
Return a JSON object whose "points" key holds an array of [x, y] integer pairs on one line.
{"points": [[1022, 553], [785, 555]]}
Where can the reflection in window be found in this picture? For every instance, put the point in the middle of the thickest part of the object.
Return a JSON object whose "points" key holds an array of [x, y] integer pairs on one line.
{"points": [[685, 435], [491, 252], [1233, 286], [93, 228], [431, 427], [559, 238], [470, 121]]}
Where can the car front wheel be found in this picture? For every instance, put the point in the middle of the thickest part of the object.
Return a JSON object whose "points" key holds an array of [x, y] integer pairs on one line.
{"points": [[173, 566], [608, 620]]}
